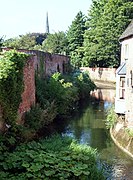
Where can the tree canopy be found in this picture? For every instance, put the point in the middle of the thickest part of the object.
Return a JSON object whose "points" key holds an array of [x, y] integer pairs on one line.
{"points": [[27, 41], [55, 43], [1, 42], [75, 36], [107, 19]]}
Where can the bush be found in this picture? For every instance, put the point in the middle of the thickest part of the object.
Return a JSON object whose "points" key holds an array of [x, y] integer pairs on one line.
{"points": [[37, 117], [111, 118], [84, 84], [56, 89], [53, 158]]}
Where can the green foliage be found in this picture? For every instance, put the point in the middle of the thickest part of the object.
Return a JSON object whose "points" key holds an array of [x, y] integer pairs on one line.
{"points": [[84, 84], [1, 42], [64, 91], [111, 118], [22, 42], [37, 117], [107, 21], [75, 39], [54, 158], [11, 84], [129, 131], [55, 43], [58, 90]]}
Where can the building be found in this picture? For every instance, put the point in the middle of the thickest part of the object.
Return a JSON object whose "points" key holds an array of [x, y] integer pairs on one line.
{"points": [[124, 77]]}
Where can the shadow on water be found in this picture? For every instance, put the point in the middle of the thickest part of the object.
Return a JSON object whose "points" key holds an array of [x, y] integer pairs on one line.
{"points": [[87, 126]]}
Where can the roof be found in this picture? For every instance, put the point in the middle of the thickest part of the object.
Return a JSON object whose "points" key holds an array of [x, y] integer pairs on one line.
{"points": [[121, 69], [128, 32]]}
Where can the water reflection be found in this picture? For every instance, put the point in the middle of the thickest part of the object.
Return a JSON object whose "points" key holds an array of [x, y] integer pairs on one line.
{"points": [[88, 126], [104, 94]]}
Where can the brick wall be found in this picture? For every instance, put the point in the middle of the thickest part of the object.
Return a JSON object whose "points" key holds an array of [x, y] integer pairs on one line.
{"points": [[103, 74], [44, 64], [28, 96], [55, 63]]}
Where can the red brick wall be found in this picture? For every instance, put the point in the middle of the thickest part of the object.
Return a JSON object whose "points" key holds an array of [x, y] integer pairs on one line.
{"points": [[55, 63], [50, 62], [28, 96]]}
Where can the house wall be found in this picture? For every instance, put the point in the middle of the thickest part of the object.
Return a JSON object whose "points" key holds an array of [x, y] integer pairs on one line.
{"points": [[102, 74], [120, 107], [129, 88]]}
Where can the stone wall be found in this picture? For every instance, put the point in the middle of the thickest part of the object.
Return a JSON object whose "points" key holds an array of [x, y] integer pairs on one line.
{"points": [[102, 74]]}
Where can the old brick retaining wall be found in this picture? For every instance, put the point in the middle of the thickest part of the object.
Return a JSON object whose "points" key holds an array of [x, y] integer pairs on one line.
{"points": [[28, 95]]}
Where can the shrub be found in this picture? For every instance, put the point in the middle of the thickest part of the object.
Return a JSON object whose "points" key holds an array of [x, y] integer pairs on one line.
{"points": [[84, 84], [56, 89], [37, 117], [111, 118]]}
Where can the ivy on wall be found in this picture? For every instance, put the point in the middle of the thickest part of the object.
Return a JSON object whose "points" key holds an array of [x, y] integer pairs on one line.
{"points": [[11, 83]]}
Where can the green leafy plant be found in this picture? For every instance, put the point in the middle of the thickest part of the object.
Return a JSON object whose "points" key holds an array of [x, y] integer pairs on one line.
{"points": [[129, 131], [52, 158], [111, 118], [37, 117], [84, 84]]}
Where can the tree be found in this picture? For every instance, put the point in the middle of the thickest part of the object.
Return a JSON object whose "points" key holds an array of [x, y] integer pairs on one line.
{"points": [[27, 41], [55, 43], [21, 42], [75, 36], [107, 20], [1, 42]]}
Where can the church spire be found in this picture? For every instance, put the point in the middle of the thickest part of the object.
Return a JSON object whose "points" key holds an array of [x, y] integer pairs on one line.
{"points": [[47, 24]]}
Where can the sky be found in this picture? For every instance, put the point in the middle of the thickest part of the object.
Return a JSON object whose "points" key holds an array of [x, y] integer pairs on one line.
{"points": [[19, 17]]}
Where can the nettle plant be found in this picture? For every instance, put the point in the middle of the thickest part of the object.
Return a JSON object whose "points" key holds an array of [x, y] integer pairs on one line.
{"points": [[11, 83]]}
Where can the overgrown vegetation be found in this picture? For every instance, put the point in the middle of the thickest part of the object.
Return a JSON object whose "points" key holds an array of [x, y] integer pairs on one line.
{"points": [[52, 158], [63, 91], [11, 84], [111, 118], [129, 131]]}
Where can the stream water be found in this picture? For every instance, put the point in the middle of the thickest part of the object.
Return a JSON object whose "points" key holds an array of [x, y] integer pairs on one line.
{"points": [[88, 126]]}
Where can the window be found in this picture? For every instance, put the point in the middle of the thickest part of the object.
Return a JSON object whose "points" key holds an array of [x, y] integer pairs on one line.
{"points": [[122, 88], [131, 77], [126, 51]]}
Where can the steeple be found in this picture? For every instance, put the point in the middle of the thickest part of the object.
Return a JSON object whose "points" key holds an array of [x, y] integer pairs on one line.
{"points": [[47, 24]]}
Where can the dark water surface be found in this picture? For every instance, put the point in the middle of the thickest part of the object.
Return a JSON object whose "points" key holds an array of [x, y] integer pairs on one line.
{"points": [[88, 127]]}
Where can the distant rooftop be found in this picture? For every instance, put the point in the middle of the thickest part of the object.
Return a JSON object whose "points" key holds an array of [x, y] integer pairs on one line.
{"points": [[128, 32]]}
